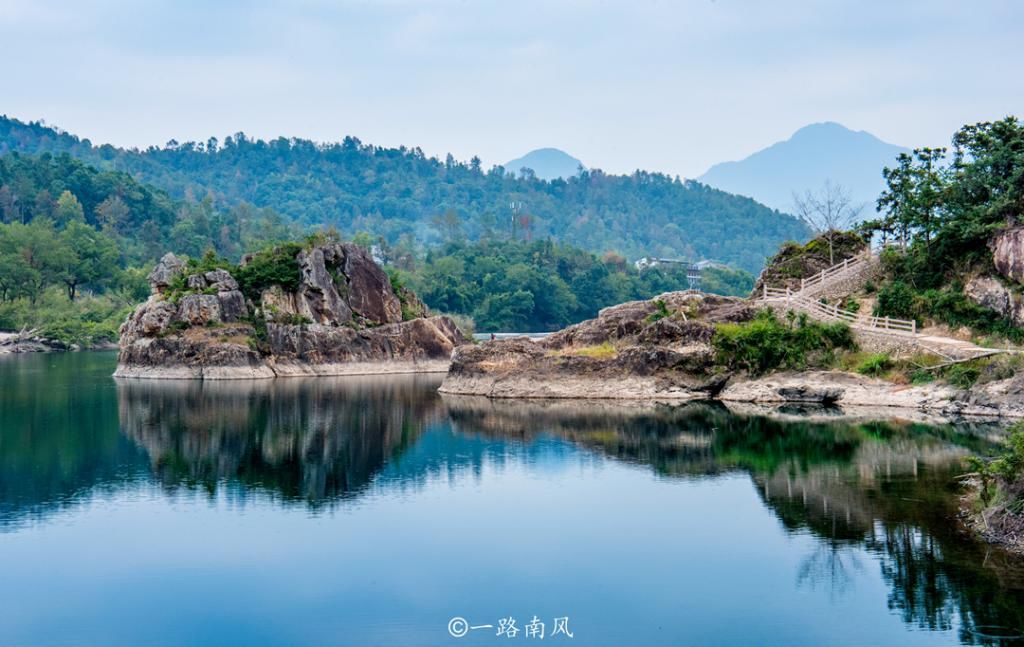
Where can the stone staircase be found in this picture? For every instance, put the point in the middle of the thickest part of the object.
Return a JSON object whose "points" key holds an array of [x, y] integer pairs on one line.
{"points": [[848, 276]]}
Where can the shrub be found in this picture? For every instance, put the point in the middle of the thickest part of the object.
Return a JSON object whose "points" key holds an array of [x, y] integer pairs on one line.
{"points": [[874, 365], [275, 265], [963, 375], [896, 299], [765, 344], [661, 311]]}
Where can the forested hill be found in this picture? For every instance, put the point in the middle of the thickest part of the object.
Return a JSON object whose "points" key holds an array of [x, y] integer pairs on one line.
{"points": [[403, 194]]}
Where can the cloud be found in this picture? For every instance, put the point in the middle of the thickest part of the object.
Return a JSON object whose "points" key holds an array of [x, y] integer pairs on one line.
{"points": [[672, 86]]}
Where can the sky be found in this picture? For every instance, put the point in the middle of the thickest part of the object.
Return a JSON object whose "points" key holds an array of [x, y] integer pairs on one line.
{"points": [[671, 86]]}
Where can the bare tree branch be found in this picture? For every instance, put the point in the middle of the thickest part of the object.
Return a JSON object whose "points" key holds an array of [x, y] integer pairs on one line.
{"points": [[827, 212]]}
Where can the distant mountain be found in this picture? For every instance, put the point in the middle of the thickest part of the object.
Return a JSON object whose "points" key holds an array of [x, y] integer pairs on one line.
{"points": [[815, 153], [547, 164], [408, 198]]}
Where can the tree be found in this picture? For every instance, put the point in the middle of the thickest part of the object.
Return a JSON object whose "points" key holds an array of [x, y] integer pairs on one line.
{"points": [[68, 209], [89, 257], [39, 256], [828, 212], [113, 214]]}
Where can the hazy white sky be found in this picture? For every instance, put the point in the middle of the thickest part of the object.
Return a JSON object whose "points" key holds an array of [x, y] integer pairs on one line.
{"points": [[668, 86]]}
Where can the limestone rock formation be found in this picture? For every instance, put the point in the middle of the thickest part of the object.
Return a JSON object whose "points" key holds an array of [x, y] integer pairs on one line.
{"points": [[339, 314], [166, 271], [656, 349], [991, 293], [1008, 253]]}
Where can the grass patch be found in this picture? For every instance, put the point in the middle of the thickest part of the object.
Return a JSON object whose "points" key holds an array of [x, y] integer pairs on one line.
{"points": [[600, 351], [875, 365]]}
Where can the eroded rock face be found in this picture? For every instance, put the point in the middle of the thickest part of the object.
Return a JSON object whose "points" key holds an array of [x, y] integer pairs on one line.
{"points": [[199, 310], [318, 299], [232, 306], [989, 293], [659, 349], [1008, 254], [343, 313], [169, 268], [370, 294]]}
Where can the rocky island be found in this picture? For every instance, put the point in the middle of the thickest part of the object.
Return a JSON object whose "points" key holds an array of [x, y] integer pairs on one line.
{"points": [[321, 308]]}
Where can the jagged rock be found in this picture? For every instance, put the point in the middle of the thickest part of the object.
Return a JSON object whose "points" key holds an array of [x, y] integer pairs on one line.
{"points": [[169, 268], [660, 348], [199, 309], [369, 288], [989, 293], [356, 324], [222, 280], [149, 320], [318, 299], [665, 319], [232, 305], [1008, 254]]}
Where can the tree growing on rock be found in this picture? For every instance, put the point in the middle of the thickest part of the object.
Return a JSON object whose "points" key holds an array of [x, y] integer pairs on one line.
{"points": [[828, 212]]}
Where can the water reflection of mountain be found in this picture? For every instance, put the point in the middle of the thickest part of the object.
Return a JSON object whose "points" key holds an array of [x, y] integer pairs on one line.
{"points": [[887, 489], [313, 440]]}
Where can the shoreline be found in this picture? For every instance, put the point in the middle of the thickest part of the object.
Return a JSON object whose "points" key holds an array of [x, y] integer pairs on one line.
{"points": [[831, 389], [273, 370]]}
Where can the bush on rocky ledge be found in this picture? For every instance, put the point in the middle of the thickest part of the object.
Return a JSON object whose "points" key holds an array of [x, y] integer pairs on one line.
{"points": [[766, 344]]}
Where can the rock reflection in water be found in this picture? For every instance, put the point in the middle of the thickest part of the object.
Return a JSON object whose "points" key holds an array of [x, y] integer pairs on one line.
{"points": [[297, 439]]}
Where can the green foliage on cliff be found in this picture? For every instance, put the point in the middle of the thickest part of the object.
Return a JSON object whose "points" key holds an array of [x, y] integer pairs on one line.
{"points": [[766, 344], [274, 265], [942, 213], [400, 192]]}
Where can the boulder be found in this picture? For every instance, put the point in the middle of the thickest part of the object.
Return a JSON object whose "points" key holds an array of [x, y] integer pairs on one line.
{"points": [[1008, 254], [989, 293], [149, 320], [199, 309], [222, 280], [196, 282], [232, 306], [169, 268]]}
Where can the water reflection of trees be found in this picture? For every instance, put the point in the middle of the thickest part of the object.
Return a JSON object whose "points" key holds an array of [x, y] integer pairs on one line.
{"points": [[313, 440], [59, 442], [884, 488]]}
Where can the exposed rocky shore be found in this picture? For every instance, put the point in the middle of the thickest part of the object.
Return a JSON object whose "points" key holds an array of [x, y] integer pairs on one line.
{"points": [[338, 315], [30, 342], [661, 350]]}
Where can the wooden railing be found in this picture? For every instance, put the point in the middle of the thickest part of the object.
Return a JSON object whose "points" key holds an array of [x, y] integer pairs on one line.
{"points": [[835, 313]]}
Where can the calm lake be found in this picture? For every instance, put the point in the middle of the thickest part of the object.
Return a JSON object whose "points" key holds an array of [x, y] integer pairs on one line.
{"points": [[372, 511]]}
